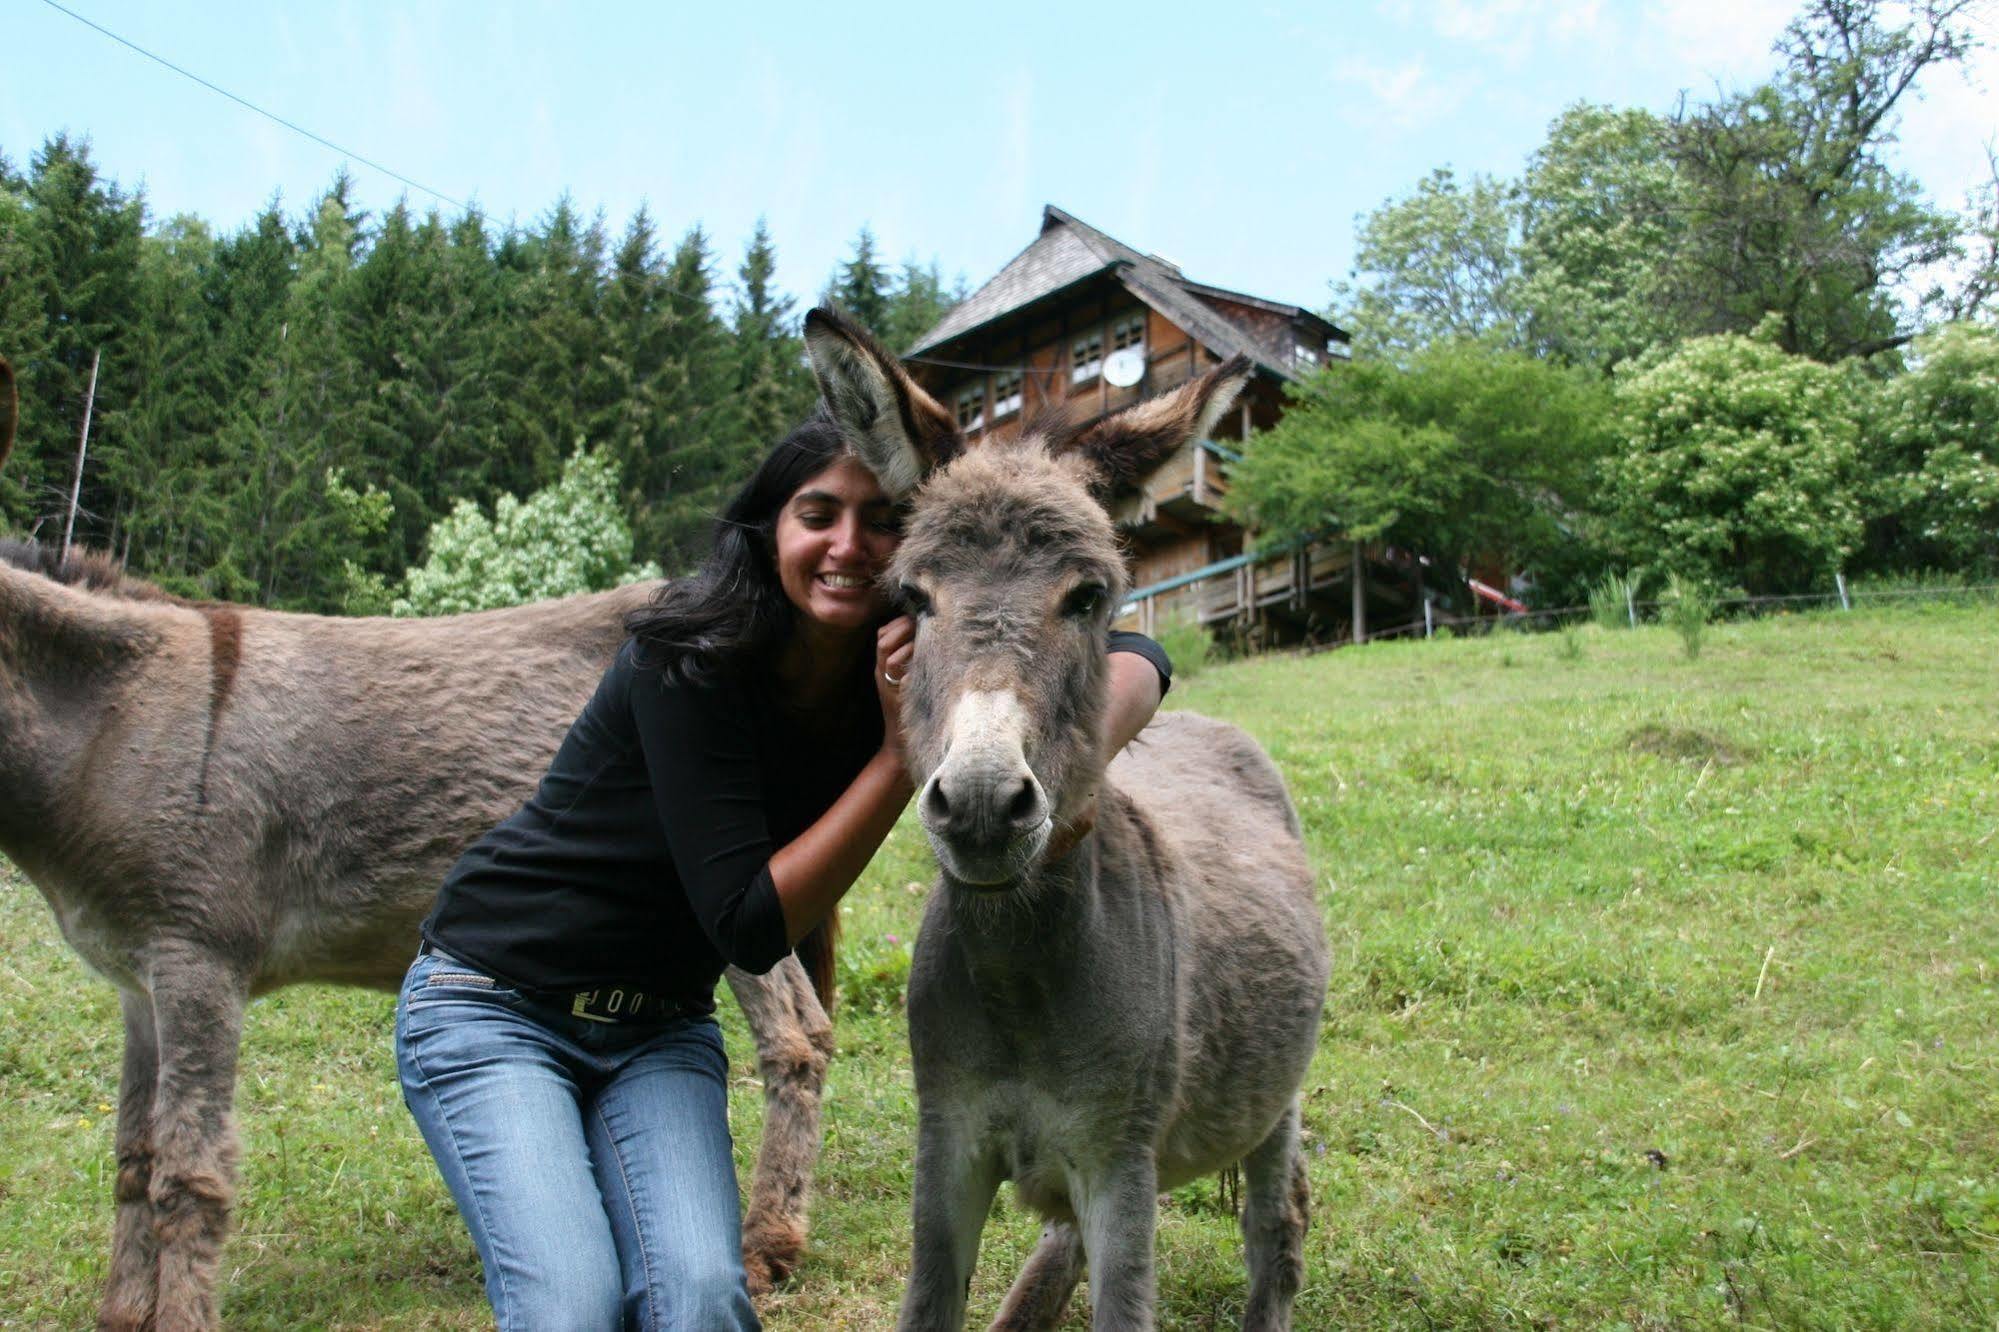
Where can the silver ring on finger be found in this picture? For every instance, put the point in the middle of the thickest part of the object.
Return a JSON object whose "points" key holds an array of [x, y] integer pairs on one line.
{"points": [[892, 681]]}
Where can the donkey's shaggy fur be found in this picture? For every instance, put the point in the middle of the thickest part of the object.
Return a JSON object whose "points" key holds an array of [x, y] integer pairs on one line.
{"points": [[217, 801], [1101, 1022]]}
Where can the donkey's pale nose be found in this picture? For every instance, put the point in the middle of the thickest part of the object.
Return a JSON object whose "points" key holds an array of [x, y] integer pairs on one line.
{"points": [[983, 808]]}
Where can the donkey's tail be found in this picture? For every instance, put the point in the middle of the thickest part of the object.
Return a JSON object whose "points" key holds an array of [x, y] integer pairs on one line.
{"points": [[10, 409], [817, 951]]}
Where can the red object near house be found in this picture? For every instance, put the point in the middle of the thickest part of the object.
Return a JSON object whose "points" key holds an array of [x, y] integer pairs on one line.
{"points": [[1487, 592]]}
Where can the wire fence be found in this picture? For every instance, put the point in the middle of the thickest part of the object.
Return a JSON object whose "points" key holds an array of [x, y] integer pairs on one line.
{"points": [[1634, 611]]}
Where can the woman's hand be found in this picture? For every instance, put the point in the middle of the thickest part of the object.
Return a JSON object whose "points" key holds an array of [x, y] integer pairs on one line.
{"points": [[895, 644]]}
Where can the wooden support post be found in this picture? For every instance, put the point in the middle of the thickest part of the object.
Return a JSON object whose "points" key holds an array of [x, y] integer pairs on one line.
{"points": [[1359, 598], [82, 446]]}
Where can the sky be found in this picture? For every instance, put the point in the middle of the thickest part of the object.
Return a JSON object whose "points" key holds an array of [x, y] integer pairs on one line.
{"points": [[1240, 142]]}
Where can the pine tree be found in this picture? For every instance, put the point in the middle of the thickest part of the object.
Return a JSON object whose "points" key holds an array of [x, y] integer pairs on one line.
{"points": [[918, 301], [861, 286], [82, 242], [23, 329], [173, 510], [553, 363], [696, 460], [774, 389]]}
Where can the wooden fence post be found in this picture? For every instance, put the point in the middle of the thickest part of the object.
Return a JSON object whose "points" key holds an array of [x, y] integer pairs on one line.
{"points": [[1359, 599]]}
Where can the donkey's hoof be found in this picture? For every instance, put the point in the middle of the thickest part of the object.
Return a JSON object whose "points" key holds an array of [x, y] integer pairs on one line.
{"points": [[770, 1254]]}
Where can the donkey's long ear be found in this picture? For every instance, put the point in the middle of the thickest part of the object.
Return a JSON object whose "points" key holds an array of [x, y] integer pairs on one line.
{"points": [[889, 422], [1126, 445], [10, 409]]}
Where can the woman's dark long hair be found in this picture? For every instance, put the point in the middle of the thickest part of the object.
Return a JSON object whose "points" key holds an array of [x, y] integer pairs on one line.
{"points": [[733, 611]]}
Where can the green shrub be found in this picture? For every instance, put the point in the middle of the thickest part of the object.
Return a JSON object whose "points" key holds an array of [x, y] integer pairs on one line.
{"points": [[1187, 644], [1689, 607], [1739, 465], [1610, 601], [568, 538]]}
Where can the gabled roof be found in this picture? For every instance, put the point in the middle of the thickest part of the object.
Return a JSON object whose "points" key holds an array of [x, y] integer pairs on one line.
{"points": [[1069, 250]]}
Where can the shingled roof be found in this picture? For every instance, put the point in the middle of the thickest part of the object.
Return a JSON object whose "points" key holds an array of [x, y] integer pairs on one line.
{"points": [[1069, 250]]}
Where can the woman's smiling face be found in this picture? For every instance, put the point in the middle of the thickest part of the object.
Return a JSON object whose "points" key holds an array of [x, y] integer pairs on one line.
{"points": [[834, 537]]}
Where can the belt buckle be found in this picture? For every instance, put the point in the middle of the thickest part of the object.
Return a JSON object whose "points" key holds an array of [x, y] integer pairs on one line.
{"points": [[610, 1004]]}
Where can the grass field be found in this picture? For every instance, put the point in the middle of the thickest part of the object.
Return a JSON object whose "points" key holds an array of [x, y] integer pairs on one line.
{"points": [[1664, 996]]}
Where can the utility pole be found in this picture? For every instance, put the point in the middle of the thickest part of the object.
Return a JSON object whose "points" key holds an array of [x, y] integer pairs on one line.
{"points": [[82, 445]]}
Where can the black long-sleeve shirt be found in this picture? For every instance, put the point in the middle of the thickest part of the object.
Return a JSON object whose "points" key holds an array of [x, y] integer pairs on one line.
{"points": [[643, 858]]}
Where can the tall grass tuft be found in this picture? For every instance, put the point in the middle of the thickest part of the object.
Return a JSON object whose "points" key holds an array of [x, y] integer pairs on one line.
{"points": [[1689, 607], [1187, 645], [1610, 601]]}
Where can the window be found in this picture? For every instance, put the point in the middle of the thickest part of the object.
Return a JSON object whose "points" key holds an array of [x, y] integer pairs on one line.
{"points": [[1304, 354], [1128, 332], [1006, 394], [1086, 358], [971, 407]]}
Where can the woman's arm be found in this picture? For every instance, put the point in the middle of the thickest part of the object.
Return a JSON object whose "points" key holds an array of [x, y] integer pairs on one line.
{"points": [[814, 870], [1135, 694]]}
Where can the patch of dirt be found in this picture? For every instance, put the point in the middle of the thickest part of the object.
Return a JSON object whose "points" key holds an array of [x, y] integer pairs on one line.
{"points": [[1685, 744]]}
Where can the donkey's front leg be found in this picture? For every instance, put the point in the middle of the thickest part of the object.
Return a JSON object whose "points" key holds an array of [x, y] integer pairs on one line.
{"points": [[1118, 1210], [128, 1294], [794, 1042], [956, 1179], [1276, 1209], [198, 1016]]}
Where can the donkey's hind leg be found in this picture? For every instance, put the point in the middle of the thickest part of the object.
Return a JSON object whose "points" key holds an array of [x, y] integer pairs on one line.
{"points": [[1040, 1294], [794, 1042], [1276, 1208], [198, 1015], [128, 1294]]}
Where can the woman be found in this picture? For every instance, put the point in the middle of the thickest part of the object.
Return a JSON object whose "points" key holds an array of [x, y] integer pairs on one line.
{"points": [[737, 767]]}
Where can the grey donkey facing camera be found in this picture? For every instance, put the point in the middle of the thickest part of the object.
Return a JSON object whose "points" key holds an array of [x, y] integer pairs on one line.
{"points": [[1118, 984]]}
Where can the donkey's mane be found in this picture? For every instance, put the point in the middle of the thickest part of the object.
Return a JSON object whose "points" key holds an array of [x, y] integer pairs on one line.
{"points": [[83, 567]]}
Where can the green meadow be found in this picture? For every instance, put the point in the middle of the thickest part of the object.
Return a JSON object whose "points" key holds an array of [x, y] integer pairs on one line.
{"points": [[1665, 995]]}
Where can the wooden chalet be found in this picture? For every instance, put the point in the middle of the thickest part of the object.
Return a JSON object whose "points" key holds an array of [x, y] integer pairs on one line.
{"points": [[1082, 319]]}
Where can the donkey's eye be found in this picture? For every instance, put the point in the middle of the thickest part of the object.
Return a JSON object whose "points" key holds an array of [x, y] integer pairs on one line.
{"points": [[914, 599], [1085, 601]]}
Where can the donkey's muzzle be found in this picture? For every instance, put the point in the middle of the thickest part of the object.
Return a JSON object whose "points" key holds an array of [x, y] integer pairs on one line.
{"points": [[982, 818]]}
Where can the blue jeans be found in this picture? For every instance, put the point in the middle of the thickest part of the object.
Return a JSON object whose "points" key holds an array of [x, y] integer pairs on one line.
{"points": [[591, 1161]]}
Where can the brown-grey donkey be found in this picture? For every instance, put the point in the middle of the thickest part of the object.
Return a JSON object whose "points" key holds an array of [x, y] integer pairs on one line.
{"points": [[1118, 983], [217, 801]]}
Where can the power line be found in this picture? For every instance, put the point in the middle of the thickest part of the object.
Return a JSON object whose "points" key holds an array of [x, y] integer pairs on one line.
{"points": [[296, 129]]}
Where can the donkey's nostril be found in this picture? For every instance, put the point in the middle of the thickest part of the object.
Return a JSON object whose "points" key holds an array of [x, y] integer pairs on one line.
{"points": [[1025, 809], [935, 804]]}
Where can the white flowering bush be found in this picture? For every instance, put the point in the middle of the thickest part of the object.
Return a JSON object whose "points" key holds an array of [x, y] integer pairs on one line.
{"points": [[1934, 451], [567, 538], [1738, 466]]}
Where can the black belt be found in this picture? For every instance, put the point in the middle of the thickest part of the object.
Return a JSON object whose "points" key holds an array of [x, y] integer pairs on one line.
{"points": [[602, 1003]]}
